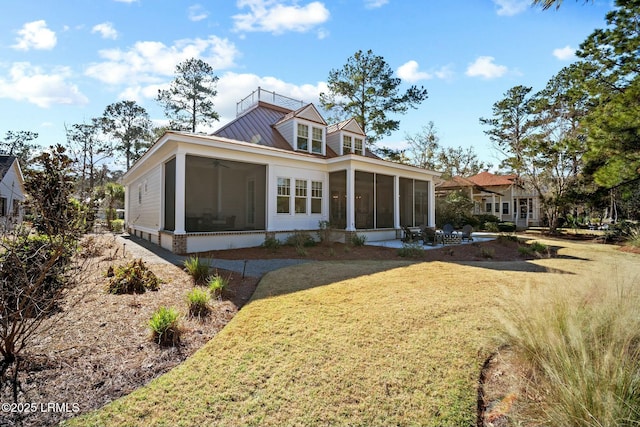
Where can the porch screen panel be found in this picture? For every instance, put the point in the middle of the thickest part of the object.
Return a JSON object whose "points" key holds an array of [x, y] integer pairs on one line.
{"points": [[384, 201], [170, 195], [364, 199], [338, 199], [223, 195], [406, 202], [421, 203]]}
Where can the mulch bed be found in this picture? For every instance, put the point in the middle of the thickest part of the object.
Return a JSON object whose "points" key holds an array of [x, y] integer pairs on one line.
{"points": [[99, 348]]}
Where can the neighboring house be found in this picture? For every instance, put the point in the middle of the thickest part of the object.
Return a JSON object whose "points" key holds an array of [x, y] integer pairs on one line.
{"points": [[277, 168], [12, 194], [500, 195]]}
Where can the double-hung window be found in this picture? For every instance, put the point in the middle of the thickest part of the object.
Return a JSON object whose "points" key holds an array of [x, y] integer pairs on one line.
{"points": [[301, 196], [284, 195], [357, 146], [316, 197], [303, 137], [316, 140], [347, 145]]}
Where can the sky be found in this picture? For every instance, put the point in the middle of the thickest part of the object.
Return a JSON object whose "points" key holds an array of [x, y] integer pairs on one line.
{"points": [[62, 62]]}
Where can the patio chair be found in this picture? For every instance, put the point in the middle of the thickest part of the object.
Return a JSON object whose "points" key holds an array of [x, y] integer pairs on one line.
{"points": [[466, 233], [429, 236], [408, 235], [447, 229]]}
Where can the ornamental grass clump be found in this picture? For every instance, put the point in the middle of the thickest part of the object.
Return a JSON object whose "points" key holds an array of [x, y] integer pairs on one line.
{"points": [[197, 269], [165, 326], [198, 300], [217, 285], [582, 342]]}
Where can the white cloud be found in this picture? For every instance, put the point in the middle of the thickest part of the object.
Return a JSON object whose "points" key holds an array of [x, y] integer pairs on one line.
{"points": [[26, 82], [150, 62], [273, 16], [483, 66], [374, 4], [197, 13], [106, 30], [409, 72], [565, 53], [511, 7], [35, 35]]}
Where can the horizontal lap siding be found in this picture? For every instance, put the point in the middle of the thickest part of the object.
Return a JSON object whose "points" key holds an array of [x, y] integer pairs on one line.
{"points": [[147, 213]]}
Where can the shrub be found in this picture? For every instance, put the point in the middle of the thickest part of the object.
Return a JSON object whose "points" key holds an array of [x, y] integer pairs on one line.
{"points": [[506, 227], [582, 342], [491, 227], [197, 269], [217, 285], [117, 225], [487, 218], [325, 232], [198, 300], [358, 239], [506, 238], [487, 253], [271, 243], [165, 326], [131, 278], [411, 250], [524, 250], [90, 247], [300, 239], [538, 247]]}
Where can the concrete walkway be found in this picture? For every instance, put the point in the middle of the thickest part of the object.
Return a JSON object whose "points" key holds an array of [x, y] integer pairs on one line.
{"points": [[154, 254]]}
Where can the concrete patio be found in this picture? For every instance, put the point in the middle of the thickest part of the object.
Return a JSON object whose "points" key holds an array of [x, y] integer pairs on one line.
{"points": [[397, 243]]}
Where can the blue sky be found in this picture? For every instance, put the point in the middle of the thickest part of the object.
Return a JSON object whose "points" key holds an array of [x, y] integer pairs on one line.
{"points": [[62, 62]]}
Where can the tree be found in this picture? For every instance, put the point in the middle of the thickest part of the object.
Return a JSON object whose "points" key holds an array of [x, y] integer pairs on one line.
{"points": [[129, 125], [547, 4], [18, 144], [88, 149], [189, 100], [366, 90], [460, 161], [511, 125], [424, 146], [614, 84], [35, 265]]}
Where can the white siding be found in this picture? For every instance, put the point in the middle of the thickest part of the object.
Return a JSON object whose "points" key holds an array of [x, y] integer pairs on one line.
{"points": [[145, 201], [286, 130], [333, 141]]}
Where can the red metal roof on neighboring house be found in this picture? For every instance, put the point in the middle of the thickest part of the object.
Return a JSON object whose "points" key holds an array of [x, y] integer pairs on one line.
{"points": [[456, 182]]}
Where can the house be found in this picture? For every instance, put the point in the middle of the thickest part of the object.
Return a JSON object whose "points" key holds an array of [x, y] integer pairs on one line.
{"points": [[12, 193], [276, 168], [503, 196]]}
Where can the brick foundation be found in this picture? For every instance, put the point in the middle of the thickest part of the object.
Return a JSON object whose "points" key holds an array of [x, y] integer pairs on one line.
{"points": [[179, 244]]}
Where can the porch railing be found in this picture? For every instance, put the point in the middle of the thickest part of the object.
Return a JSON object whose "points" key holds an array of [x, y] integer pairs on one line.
{"points": [[267, 96]]}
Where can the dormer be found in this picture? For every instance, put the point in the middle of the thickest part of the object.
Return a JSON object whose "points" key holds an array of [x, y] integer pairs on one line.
{"points": [[305, 130], [346, 137]]}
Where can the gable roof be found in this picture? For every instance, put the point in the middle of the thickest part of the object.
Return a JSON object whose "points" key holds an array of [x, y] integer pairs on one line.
{"points": [[307, 112], [5, 164], [350, 125], [487, 179], [456, 182]]}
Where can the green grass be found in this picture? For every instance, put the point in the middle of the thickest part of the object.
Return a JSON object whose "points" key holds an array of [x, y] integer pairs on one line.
{"points": [[352, 343]]}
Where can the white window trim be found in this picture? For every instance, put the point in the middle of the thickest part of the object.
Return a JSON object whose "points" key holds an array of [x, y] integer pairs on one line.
{"points": [[310, 126], [353, 137]]}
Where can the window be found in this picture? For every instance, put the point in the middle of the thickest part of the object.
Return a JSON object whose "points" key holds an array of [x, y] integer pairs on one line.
{"points": [[347, 147], [497, 207], [301, 196], [316, 197], [140, 194], [303, 137], [316, 140], [284, 195], [487, 207], [3, 206], [357, 146], [505, 208]]}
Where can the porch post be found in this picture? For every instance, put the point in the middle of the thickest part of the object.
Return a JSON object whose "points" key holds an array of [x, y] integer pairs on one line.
{"points": [[351, 196], [396, 202], [181, 167], [127, 194], [432, 205]]}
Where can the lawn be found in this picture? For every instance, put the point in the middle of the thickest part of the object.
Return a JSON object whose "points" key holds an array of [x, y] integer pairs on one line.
{"points": [[354, 343]]}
